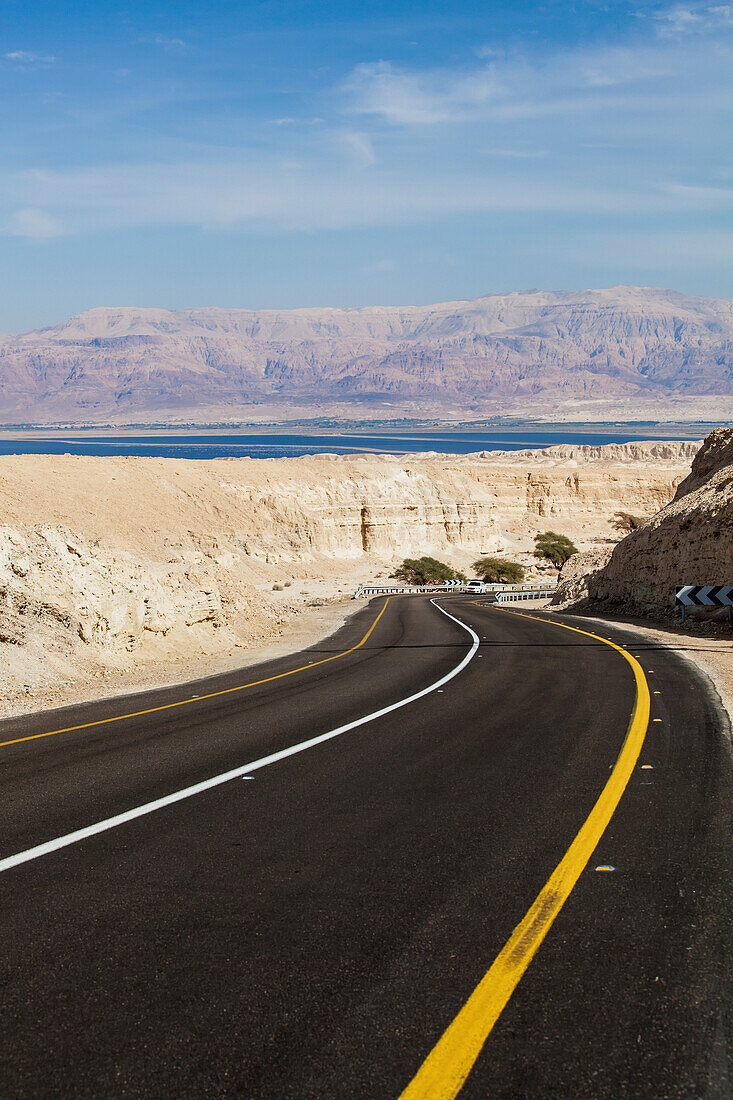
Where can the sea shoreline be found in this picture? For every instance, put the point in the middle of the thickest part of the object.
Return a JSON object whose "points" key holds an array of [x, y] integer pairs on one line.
{"points": [[284, 441]]}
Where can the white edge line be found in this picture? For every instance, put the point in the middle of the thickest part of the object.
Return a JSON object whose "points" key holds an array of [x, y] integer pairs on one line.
{"points": [[168, 800]]}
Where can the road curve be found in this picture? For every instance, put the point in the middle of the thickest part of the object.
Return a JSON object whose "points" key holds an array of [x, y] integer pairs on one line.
{"points": [[311, 925]]}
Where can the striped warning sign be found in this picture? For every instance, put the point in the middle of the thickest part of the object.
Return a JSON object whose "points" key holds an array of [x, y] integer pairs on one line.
{"points": [[706, 595]]}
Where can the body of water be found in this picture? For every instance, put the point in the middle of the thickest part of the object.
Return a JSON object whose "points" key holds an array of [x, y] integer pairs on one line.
{"points": [[277, 445]]}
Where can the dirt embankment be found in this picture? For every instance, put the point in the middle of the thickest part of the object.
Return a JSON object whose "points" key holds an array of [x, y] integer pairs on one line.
{"points": [[119, 572]]}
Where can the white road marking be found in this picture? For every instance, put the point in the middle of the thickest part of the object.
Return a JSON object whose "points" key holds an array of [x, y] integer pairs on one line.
{"points": [[236, 773]]}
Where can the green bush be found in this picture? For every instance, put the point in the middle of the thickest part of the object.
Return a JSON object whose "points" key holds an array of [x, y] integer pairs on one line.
{"points": [[553, 547], [499, 571], [426, 570]]}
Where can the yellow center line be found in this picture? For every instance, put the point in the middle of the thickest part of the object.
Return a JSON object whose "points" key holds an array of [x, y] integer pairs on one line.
{"points": [[198, 698], [444, 1071]]}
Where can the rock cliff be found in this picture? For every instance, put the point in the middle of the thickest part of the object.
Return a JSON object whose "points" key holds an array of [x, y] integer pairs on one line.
{"points": [[689, 541], [572, 583]]}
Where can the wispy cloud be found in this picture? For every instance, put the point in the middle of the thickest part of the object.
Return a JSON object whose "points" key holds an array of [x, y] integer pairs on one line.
{"points": [[417, 98], [686, 19], [518, 154], [265, 193], [543, 83], [358, 146], [33, 224], [701, 195], [568, 130], [27, 59], [167, 41], [290, 120]]}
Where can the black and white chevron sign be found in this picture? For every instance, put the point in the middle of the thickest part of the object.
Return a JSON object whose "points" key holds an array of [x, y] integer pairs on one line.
{"points": [[705, 595]]}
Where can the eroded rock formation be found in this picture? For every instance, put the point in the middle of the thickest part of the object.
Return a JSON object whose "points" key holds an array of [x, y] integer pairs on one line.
{"points": [[689, 541]]}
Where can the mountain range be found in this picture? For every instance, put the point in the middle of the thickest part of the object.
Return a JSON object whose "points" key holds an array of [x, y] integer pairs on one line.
{"points": [[620, 343]]}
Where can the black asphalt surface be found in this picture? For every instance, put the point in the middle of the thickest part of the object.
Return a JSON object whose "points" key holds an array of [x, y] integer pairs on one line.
{"points": [[312, 931]]}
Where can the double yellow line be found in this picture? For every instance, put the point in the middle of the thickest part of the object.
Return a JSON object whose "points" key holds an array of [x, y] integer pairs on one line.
{"points": [[198, 698], [444, 1071]]}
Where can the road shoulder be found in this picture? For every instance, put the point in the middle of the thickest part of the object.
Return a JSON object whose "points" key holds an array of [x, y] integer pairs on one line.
{"points": [[711, 655]]}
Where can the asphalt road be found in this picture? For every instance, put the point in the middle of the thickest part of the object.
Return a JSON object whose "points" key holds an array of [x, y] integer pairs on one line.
{"points": [[313, 930]]}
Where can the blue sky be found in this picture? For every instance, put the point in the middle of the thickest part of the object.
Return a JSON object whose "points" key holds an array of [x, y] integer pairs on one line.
{"points": [[281, 153]]}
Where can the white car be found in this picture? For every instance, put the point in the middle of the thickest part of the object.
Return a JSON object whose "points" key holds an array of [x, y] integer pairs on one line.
{"points": [[475, 586]]}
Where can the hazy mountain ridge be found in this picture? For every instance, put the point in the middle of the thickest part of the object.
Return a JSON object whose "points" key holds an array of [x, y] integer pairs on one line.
{"points": [[594, 344]]}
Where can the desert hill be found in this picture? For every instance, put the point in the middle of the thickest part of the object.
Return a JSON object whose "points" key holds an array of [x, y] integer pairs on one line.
{"points": [[625, 343]]}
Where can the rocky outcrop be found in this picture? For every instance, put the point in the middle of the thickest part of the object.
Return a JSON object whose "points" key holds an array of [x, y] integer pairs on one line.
{"points": [[522, 347], [572, 583], [104, 599], [714, 458], [689, 541]]}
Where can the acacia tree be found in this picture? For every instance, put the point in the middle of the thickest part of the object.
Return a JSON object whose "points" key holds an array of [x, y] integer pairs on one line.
{"points": [[554, 547], [627, 523], [426, 570], [499, 571]]}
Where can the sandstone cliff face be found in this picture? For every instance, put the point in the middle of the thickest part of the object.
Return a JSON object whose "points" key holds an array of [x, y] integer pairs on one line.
{"points": [[105, 599], [250, 514], [586, 345], [689, 541]]}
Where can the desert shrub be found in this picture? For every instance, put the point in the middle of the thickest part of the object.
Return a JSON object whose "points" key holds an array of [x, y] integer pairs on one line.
{"points": [[626, 523], [425, 570], [554, 547], [499, 571]]}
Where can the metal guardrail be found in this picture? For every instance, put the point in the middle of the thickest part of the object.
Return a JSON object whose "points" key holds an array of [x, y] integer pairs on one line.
{"points": [[535, 594], [528, 586], [398, 589], [539, 590]]}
